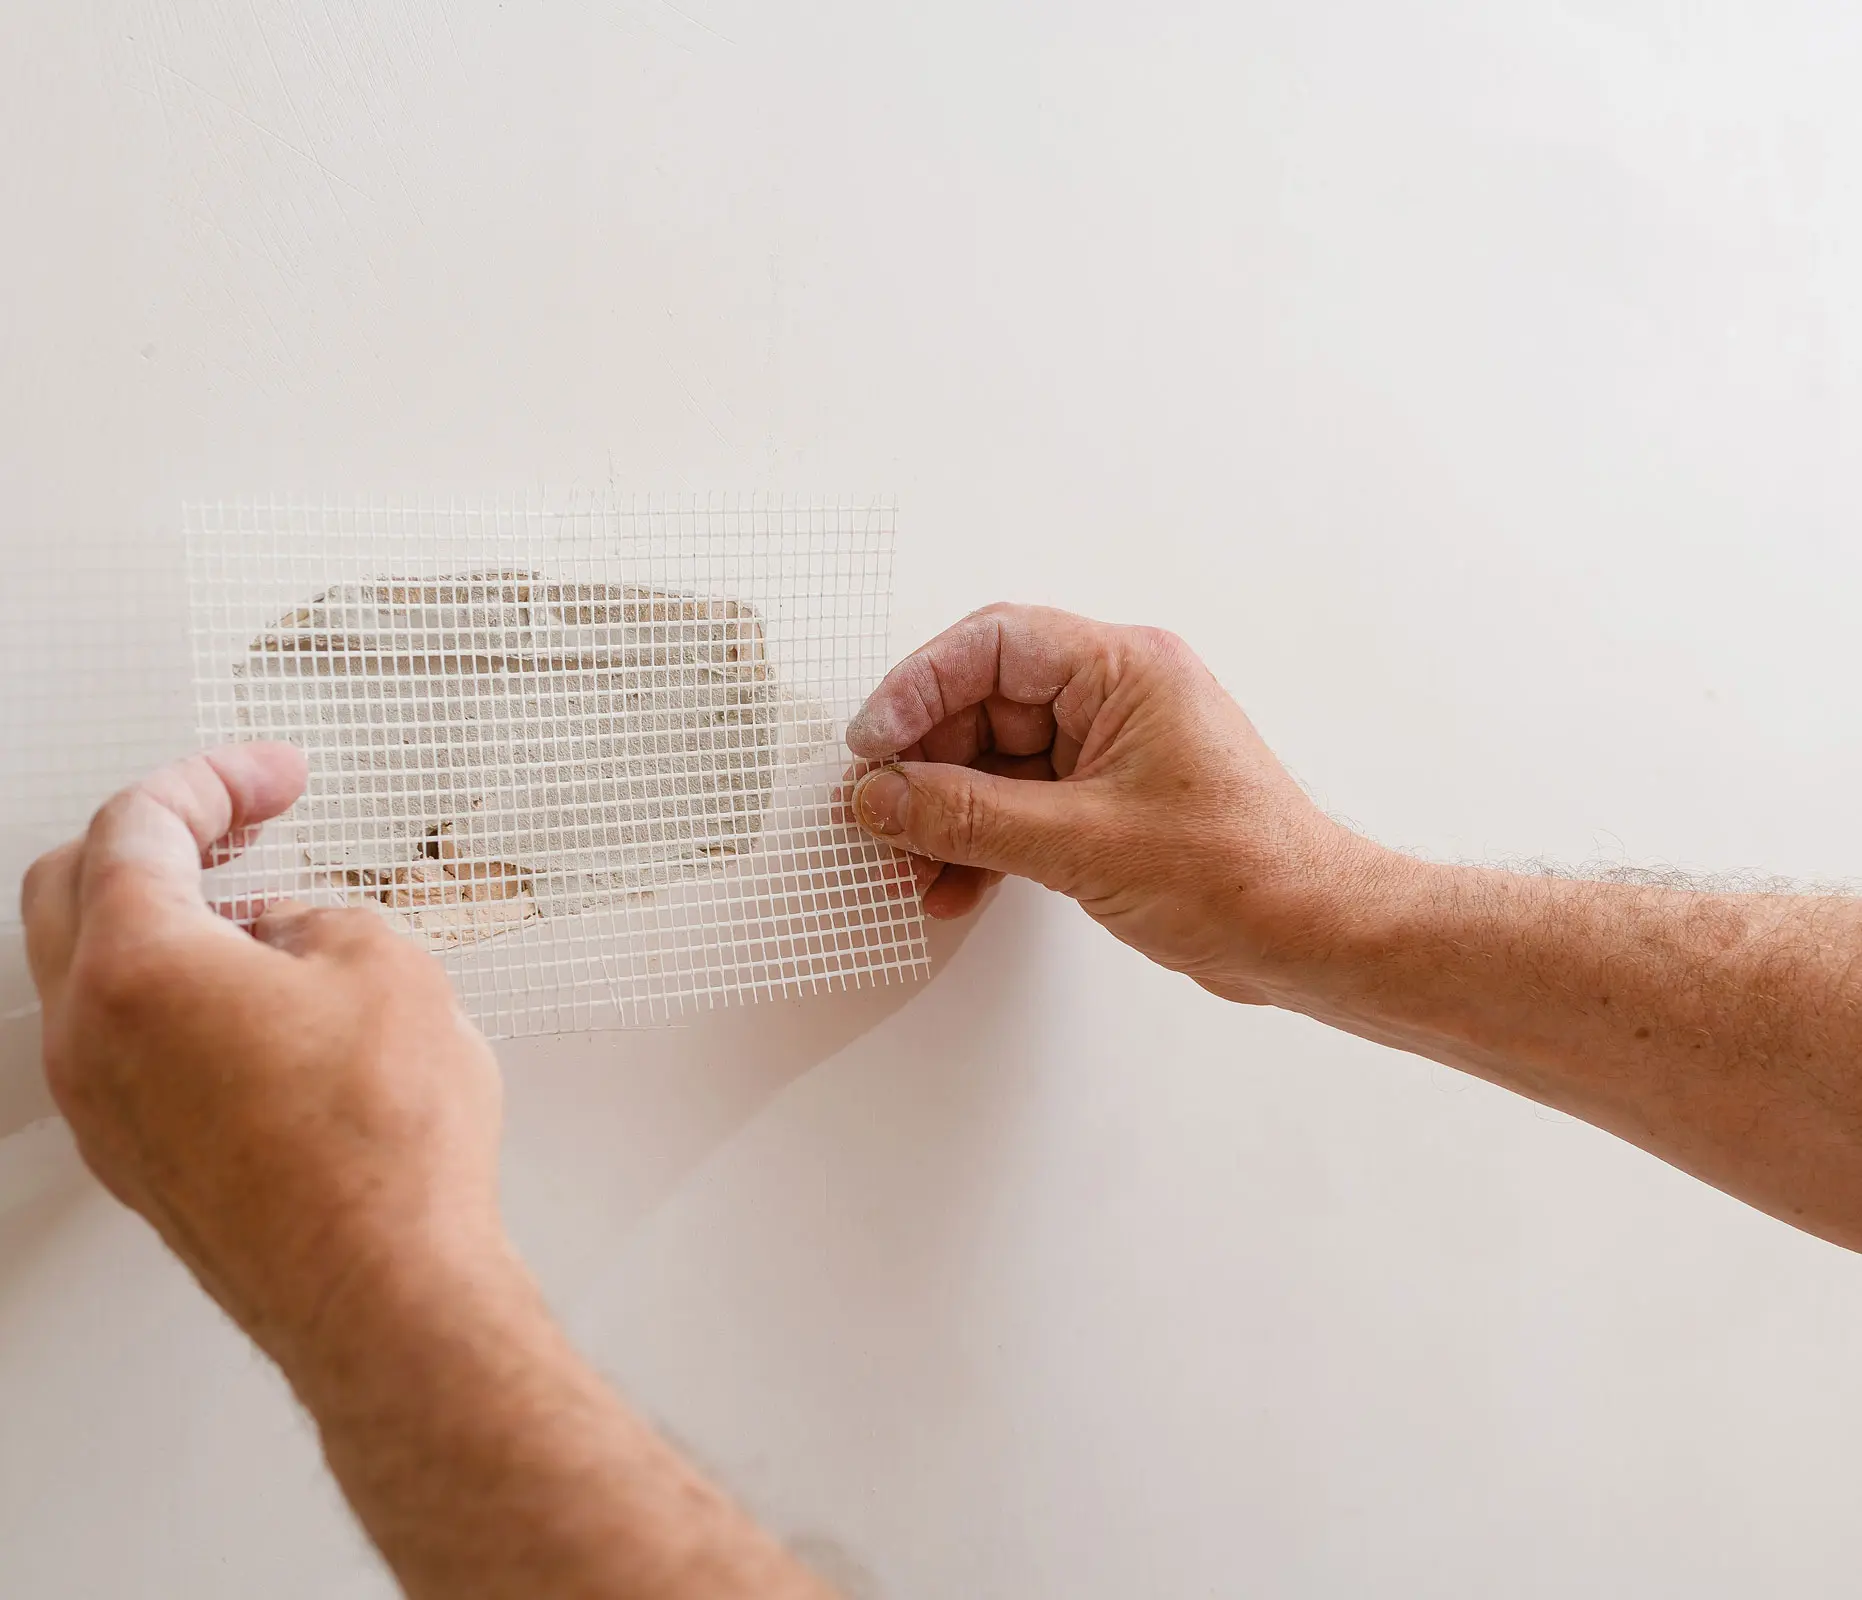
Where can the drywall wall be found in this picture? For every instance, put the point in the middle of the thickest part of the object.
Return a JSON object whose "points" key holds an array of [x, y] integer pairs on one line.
{"points": [[1476, 386]]}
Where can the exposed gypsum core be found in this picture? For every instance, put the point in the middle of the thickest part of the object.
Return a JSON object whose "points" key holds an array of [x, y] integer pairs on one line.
{"points": [[596, 736]]}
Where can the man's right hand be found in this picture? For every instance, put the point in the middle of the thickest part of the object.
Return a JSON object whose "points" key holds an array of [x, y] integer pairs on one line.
{"points": [[1720, 1032], [1107, 763]]}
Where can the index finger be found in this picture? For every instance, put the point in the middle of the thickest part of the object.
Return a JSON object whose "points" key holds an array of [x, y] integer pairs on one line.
{"points": [[1032, 655], [154, 833]]}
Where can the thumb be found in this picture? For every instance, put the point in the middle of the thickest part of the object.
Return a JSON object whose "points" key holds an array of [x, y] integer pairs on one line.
{"points": [[153, 836], [975, 819]]}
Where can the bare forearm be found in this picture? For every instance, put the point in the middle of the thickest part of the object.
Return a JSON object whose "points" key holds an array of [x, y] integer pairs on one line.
{"points": [[1722, 1033], [486, 1459], [311, 1124]]}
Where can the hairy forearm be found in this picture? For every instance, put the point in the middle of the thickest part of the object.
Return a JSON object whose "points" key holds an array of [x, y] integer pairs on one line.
{"points": [[1722, 1033], [486, 1459]]}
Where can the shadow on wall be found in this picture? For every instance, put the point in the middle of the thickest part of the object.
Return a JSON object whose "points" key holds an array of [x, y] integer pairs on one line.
{"points": [[597, 1124], [607, 1124], [694, 1070]]}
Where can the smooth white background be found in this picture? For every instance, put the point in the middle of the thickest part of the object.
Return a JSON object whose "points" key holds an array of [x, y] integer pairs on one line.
{"points": [[1475, 385]]}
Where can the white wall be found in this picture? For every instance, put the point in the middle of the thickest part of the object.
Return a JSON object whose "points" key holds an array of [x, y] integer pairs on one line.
{"points": [[1478, 386]]}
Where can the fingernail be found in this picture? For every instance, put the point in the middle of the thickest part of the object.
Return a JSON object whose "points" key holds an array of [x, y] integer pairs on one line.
{"points": [[880, 800]]}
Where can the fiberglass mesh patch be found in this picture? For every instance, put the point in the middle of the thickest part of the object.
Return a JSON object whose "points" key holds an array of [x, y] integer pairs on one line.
{"points": [[587, 757]]}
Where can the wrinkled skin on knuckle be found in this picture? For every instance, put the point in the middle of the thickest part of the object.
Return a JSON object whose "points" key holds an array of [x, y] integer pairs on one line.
{"points": [[1100, 872], [1160, 662], [1161, 645], [964, 817]]}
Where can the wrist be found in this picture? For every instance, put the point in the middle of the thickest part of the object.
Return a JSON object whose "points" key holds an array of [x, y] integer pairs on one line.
{"points": [[483, 1454], [1396, 924], [398, 1310], [1338, 910]]}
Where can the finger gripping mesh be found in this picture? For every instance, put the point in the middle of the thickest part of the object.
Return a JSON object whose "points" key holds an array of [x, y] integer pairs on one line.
{"points": [[589, 758]]}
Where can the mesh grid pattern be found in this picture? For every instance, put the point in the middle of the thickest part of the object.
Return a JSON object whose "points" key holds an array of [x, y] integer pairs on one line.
{"points": [[587, 756]]}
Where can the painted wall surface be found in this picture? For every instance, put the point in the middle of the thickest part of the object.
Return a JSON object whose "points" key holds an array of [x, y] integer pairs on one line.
{"points": [[1479, 387]]}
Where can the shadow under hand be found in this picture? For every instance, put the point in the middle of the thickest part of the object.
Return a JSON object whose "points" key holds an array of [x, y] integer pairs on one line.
{"points": [[598, 1126], [601, 1127]]}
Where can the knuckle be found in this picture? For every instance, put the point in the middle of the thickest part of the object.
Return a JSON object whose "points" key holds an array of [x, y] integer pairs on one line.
{"points": [[963, 821], [922, 680], [1164, 646], [122, 980], [117, 888], [1172, 663]]}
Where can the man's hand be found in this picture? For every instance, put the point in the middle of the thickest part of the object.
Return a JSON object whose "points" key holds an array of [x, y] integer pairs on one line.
{"points": [[1721, 1032], [311, 1124], [1107, 763], [296, 1112]]}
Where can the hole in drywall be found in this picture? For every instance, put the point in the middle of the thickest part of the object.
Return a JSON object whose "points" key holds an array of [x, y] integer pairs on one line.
{"points": [[490, 748]]}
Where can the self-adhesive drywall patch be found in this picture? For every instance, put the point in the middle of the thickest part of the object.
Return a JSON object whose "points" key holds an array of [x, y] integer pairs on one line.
{"points": [[588, 757]]}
